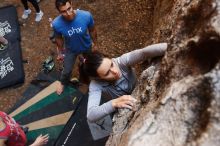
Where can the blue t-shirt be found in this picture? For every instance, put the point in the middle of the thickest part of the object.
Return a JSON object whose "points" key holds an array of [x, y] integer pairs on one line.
{"points": [[75, 32]]}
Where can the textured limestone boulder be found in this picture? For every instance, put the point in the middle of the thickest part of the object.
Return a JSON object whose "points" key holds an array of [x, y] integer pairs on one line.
{"points": [[179, 98]]}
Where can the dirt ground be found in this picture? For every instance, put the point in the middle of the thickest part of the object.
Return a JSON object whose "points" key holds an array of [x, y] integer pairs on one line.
{"points": [[122, 26]]}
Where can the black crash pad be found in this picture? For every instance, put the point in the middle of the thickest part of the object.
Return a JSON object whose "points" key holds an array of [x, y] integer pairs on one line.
{"points": [[11, 67]]}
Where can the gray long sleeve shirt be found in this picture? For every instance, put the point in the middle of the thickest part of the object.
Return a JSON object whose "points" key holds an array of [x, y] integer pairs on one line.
{"points": [[123, 86]]}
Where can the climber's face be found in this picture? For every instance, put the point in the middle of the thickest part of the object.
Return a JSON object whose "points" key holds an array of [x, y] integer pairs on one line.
{"points": [[108, 70], [67, 11]]}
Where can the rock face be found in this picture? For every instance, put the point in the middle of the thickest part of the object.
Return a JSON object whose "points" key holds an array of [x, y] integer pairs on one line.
{"points": [[179, 98]]}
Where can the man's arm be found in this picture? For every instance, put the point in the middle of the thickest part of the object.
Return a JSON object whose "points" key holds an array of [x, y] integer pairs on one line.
{"points": [[93, 34], [59, 42], [60, 47], [2, 142]]}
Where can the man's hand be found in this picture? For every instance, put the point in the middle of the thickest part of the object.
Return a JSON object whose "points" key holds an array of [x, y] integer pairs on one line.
{"points": [[60, 88], [41, 140], [60, 57], [125, 101], [60, 54]]}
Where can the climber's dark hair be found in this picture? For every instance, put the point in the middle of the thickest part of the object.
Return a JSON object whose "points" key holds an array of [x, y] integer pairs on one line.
{"points": [[88, 66], [60, 3]]}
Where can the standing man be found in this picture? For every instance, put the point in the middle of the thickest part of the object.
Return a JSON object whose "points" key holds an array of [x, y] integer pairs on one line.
{"points": [[74, 31]]}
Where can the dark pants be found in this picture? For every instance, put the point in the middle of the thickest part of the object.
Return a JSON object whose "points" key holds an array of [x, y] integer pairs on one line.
{"points": [[69, 61], [33, 2]]}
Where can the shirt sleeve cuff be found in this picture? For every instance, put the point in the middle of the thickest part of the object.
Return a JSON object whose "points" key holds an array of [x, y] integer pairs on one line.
{"points": [[109, 107]]}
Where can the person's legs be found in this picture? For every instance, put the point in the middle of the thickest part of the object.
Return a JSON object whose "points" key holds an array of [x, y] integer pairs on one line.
{"points": [[69, 61], [25, 4], [35, 4], [39, 16], [27, 11], [39, 13]]}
